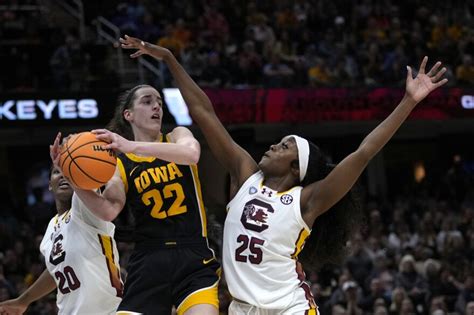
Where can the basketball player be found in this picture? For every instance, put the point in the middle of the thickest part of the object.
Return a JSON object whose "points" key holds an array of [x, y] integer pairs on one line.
{"points": [[157, 179], [81, 260], [275, 203]]}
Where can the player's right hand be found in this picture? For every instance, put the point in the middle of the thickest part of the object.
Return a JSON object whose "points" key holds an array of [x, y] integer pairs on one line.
{"points": [[143, 48], [55, 154], [12, 307], [55, 150]]}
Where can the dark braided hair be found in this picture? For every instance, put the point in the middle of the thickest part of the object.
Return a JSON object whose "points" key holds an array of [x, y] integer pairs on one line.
{"points": [[118, 124], [327, 243]]}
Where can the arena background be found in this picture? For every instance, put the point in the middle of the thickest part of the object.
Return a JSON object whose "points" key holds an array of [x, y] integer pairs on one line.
{"points": [[326, 70]]}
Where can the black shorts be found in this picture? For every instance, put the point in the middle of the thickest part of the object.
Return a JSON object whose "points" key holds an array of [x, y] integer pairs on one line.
{"points": [[160, 278]]}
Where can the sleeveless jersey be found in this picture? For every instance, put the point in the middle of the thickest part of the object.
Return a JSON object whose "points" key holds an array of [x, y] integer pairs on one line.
{"points": [[264, 233], [81, 256], [165, 199]]}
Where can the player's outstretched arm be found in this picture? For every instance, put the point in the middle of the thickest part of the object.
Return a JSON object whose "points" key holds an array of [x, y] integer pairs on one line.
{"points": [[105, 206], [234, 158], [42, 286], [183, 149], [322, 195]]}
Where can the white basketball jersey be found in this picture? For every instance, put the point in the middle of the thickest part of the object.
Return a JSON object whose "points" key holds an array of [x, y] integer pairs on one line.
{"points": [[263, 235], [82, 257]]}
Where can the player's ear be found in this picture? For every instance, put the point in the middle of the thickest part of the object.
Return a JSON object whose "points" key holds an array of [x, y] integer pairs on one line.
{"points": [[295, 168], [127, 115]]}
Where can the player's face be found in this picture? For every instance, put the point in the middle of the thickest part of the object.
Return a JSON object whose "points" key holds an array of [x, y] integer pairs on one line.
{"points": [[147, 111], [277, 160], [59, 186]]}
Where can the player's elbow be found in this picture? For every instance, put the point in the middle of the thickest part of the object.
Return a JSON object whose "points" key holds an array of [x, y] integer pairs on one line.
{"points": [[365, 154], [111, 212], [109, 216], [106, 215], [194, 155]]}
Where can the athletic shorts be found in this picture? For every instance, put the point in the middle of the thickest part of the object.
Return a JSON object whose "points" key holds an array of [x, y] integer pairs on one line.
{"points": [[299, 307], [160, 278]]}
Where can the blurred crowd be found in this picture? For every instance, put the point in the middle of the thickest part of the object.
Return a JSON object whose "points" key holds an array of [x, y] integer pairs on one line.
{"points": [[414, 254], [269, 43]]}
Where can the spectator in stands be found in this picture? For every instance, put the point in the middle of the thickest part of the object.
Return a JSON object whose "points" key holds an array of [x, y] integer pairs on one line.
{"points": [[262, 33], [170, 41], [376, 292], [465, 298], [407, 307], [250, 64], [409, 279], [214, 75], [319, 75], [277, 73], [181, 32], [351, 298], [148, 29], [469, 308], [193, 60], [216, 26], [359, 262], [438, 304]]}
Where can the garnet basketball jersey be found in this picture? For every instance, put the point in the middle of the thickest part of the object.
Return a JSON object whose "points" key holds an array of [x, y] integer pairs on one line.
{"points": [[81, 256], [263, 235]]}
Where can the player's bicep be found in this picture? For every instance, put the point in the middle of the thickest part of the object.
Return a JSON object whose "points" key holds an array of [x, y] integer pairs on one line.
{"points": [[183, 136]]}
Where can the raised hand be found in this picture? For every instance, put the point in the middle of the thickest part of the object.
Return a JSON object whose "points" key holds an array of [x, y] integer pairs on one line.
{"points": [[143, 48], [12, 307], [115, 141], [55, 150], [419, 87]]}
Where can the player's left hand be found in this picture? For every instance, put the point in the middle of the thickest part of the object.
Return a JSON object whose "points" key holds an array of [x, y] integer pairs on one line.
{"points": [[115, 141], [143, 48], [419, 87], [55, 150]]}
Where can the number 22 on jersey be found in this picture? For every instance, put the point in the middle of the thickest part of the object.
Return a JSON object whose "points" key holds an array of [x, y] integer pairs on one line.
{"points": [[174, 190]]}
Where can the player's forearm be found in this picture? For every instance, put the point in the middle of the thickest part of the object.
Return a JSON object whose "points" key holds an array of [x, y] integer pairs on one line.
{"points": [[171, 152], [193, 95], [375, 140], [100, 206], [41, 287]]}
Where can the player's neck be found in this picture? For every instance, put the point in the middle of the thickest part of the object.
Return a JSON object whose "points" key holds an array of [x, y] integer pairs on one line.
{"points": [[62, 206], [146, 137], [278, 183]]}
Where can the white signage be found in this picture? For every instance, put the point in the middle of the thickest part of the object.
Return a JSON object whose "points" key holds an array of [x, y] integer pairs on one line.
{"points": [[467, 101], [177, 107], [38, 109]]}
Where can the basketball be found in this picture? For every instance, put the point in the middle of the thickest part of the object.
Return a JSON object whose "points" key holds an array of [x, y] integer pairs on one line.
{"points": [[85, 162]]}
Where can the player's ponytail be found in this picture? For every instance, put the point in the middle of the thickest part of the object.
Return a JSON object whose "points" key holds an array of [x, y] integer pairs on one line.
{"points": [[118, 124], [327, 244]]}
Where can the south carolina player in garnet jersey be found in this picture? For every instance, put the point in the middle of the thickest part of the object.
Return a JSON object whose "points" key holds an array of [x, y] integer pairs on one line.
{"points": [[275, 203], [81, 260]]}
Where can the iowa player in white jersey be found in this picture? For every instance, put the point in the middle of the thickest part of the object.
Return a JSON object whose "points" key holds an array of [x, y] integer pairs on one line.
{"points": [[277, 202], [157, 180], [81, 260]]}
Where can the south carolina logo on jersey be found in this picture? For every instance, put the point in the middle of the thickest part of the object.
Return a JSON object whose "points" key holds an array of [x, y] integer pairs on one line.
{"points": [[57, 254], [255, 214]]}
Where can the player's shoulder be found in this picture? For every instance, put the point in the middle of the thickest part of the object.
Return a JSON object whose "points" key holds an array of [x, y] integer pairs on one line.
{"points": [[178, 132]]}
